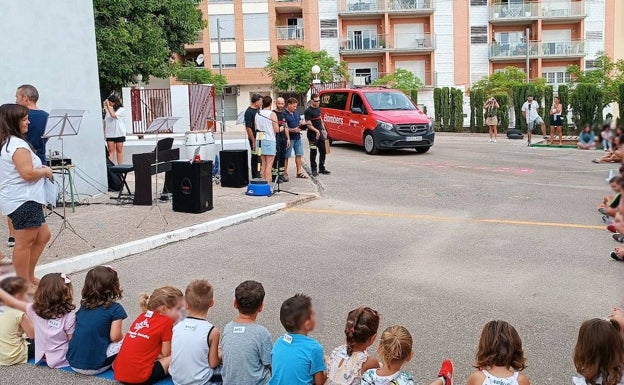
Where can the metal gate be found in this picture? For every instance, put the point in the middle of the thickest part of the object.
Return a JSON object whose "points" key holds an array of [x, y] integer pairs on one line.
{"points": [[147, 105], [202, 107]]}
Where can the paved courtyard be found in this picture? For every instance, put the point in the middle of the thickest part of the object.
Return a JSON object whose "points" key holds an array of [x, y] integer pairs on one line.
{"points": [[440, 243]]}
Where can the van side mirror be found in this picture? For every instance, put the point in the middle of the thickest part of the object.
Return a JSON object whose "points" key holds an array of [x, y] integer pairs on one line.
{"points": [[356, 110]]}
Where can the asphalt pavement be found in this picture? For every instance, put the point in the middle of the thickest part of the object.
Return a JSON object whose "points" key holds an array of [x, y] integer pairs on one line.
{"points": [[440, 242]]}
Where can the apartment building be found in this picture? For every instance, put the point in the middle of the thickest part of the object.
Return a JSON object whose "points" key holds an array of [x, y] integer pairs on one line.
{"points": [[251, 32], [456, 43]]}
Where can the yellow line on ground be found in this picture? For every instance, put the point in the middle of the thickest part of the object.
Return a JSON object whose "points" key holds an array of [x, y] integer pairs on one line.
{"points": [[442, 218]]}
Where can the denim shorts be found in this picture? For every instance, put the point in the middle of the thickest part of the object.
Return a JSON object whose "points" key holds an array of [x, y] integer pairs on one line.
{"points": [[531, 124], [28, 215], [268, 147], [296, 145]]}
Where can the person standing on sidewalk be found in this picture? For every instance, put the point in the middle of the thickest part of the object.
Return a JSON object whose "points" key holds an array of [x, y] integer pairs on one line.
{"points": [[27, 95], [491, 117], [293, 120], [530, 111], [316, 136], [282, 142], [250, 127]]}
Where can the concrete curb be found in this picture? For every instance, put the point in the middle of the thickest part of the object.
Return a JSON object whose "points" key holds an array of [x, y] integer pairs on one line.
{"points": [[104, 256]]}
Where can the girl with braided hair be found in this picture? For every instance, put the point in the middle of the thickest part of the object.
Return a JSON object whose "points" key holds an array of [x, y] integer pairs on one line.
{"points": [[348, 362]]}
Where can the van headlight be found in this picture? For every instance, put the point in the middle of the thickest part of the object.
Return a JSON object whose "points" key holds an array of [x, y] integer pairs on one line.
{"points": [[385, 125], [430, 128]]}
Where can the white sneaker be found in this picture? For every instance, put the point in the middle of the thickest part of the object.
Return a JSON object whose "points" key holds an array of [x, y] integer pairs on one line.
{"points": [[490, 141], [494, 140]]}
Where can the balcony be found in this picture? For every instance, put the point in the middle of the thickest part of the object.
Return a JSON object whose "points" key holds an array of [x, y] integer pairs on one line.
{"points": [[549, 12], [360, 8], [544, 50], [288, 6], [371, 43], [427, 78], [288, 36]]}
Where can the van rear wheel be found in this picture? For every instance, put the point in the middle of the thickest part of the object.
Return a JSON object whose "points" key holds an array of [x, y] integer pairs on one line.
{"points": [[422, 150], [370, 146]]}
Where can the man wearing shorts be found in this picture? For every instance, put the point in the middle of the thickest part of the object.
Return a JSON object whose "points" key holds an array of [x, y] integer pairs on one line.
{"points": [[293, 121], [531, 114]]}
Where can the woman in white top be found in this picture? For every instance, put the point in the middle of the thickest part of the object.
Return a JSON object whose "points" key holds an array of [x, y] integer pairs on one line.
{"points": [[22, 192], [266, 122], [114, 127]]}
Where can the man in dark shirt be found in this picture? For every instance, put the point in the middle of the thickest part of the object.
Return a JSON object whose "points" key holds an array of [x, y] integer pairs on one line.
{"points": [[293, 120], [250, 127], [316, 136], [282, 141], [27, 96]]}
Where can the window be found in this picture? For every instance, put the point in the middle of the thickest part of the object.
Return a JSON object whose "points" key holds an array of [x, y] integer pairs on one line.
{"points": [[478, 2], [256, 59], [228, 30], [329, 28], [478, 34], [591, 64], [335, 100], [228, 60], [556, 77], [593, 35], [256, 26], [356, 102]]}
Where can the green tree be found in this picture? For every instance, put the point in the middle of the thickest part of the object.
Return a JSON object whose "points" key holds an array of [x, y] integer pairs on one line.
{"points": [[586, 102], [401, 79], [457, 110], [621, 102], [200, 75], [138, 37], [548, 101], [292, 71], [446, 110], [437, 107], [563, 92], [606, 75], [477, 98], [503, 81], [503, 111]]}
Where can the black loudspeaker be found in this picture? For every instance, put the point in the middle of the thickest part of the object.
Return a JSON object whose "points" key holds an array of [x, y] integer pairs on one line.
{"points": [[234, 168], [192, 186]]}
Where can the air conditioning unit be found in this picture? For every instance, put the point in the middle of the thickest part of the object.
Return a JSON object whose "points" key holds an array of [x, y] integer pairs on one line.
{"points": [[231, 90]]}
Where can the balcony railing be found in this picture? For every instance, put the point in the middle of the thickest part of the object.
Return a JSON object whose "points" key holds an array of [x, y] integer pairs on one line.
{"points": [[502, 51], [382, 6], [368, 41], [427, 78], [289, 33], [514, 12]]}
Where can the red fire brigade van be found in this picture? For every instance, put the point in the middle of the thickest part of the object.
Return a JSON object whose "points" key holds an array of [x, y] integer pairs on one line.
{"points": [[376, 118]]}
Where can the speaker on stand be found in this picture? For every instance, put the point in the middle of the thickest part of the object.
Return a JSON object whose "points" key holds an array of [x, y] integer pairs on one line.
{"points": [[192, 186], [234, 168]]}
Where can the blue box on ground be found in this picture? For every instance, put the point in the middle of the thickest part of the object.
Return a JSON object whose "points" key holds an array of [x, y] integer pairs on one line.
{"points": [[258, 188]]}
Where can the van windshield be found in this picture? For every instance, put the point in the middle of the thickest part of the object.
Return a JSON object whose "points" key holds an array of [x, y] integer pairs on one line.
{"points": [[386, 101]]}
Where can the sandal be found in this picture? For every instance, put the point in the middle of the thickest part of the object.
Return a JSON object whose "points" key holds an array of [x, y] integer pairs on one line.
{"points": [[302, 176]]}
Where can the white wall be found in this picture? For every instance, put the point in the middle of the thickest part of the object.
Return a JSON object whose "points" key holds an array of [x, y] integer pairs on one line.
{"points": [[479, 60], [51, 45], [328, 9], [594, 22], [444, 53]]}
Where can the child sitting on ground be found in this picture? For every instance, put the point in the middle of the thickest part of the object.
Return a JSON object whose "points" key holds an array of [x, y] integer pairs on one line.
{"points": [[610, 203], [395, 350], [348, 362], [52, 316], [297, 359], [195, 345], [246, 345], [97, 338], [14, 349], [500, 357], [145, 353], [599, 353]]}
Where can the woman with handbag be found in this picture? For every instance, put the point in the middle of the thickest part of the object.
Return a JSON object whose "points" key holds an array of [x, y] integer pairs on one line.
{"points": [[491, 107], [22, 191]]}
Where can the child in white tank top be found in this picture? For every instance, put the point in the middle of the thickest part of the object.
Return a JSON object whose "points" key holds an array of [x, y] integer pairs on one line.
{"points": [[500, 357]]}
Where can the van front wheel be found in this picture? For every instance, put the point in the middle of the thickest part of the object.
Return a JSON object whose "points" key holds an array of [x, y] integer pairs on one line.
{"points": [[369, 144]]}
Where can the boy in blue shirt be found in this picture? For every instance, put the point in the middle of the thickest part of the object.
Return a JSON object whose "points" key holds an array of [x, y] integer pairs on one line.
{"points": [[297, 359]]}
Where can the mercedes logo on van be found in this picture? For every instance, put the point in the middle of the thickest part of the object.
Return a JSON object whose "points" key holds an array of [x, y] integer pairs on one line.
{"points": [[413, 128]]}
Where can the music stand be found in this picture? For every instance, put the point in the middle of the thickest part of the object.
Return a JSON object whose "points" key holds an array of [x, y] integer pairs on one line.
{"points": [[159, 124], [61, 123]]}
